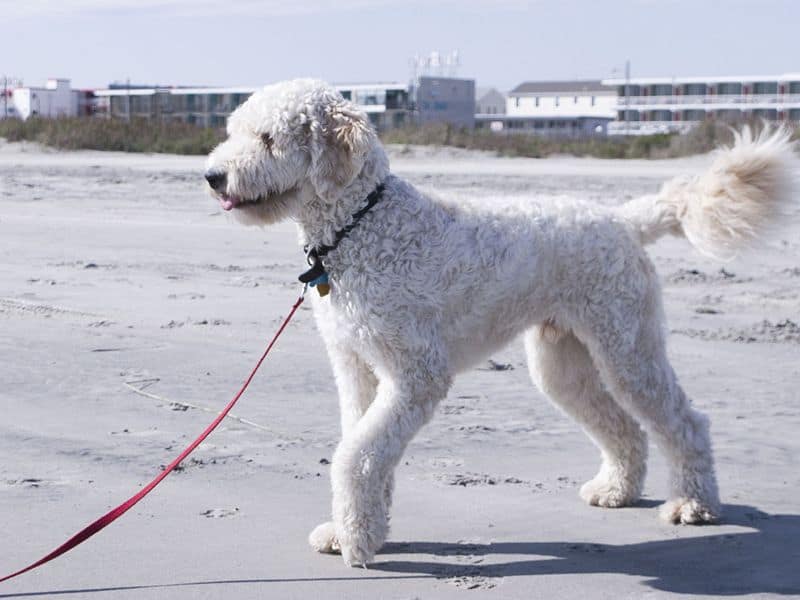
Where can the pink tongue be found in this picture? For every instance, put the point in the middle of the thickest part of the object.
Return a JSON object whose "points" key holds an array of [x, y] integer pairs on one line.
{"points": [[227, 202]]}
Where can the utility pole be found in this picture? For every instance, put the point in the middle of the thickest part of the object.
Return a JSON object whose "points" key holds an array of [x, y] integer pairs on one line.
{"points": [[627, 96]]}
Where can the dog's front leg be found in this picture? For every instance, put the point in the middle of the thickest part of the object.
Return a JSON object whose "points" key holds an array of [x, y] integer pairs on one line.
{"points": [[367, 456], [357, 386]]}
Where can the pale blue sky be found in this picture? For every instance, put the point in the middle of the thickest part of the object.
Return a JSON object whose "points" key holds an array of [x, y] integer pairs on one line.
{"points": [[502, 43]]}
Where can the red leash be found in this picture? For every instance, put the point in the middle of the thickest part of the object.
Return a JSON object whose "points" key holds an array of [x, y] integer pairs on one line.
{"points": [[115, 513]]}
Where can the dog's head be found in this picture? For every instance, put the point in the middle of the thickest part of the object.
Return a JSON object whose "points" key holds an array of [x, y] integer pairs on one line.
{"points": [[289, 143]]}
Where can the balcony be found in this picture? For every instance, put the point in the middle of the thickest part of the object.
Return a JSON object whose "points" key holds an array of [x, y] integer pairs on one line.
{"points": [[715, 100], [649, 127]]}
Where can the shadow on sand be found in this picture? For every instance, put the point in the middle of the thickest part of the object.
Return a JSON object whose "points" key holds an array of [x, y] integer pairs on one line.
{"points": [[766, 560]]}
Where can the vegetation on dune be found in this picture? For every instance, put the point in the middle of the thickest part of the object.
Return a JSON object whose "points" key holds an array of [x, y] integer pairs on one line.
{"points": [[141, 135], [700, 139], [138, 135], [521, 144]]}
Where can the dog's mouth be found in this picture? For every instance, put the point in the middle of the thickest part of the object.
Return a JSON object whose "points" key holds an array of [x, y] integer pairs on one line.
{"points": [[230, 202]]}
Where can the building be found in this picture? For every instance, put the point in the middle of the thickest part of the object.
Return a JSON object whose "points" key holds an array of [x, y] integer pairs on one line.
{"points": [[489, 101], [55, 99], [646, 105], [445, 100], [555, 108], [386, 104], [489, 104], [7, 108]]}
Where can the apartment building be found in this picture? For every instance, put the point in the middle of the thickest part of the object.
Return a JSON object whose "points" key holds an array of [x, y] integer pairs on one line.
{"points": [[386, 104], [647, 105]]}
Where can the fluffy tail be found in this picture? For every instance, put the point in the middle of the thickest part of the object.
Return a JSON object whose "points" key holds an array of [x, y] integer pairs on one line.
{"points": [[746, 190]]}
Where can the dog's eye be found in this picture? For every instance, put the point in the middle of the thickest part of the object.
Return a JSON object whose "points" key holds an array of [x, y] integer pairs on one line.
{"points": [[266, 139]]}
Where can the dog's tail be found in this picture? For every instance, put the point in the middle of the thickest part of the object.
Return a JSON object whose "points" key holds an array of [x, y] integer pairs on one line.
{"points": [[747, 189]]}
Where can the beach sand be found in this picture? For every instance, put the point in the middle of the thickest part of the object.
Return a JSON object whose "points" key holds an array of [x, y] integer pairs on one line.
{"points": [[126, 295]]}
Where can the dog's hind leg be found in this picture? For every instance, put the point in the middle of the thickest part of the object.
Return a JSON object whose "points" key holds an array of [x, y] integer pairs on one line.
{"points": [[562, 368], [625, 337]]}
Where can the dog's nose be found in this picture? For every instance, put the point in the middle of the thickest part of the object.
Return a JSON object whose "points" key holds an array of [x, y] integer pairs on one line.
{"points": [[216, 179]]}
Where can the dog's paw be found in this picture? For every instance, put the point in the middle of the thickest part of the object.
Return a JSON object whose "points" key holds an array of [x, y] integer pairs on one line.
{"points": [[323, 539], [602, 491], [355, 556], [689, 511], [359, 544]]}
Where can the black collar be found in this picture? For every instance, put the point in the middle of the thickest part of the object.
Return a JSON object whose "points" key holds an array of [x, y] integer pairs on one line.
{"points": [[316, 254]]}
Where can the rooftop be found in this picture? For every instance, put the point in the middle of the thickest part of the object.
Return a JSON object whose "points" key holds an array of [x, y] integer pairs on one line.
{"points": [[135, 90], [712, 79], [567, 87]]}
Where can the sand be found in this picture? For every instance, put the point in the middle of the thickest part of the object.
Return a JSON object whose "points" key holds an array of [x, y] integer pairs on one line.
{"points": [[126, 295]]}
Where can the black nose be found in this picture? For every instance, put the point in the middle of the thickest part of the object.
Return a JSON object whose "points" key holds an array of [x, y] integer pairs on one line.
{"points": [[216, 179]]}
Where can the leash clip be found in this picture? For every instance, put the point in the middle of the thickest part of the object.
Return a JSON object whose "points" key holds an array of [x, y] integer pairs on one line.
{"points": [[316, 271]]}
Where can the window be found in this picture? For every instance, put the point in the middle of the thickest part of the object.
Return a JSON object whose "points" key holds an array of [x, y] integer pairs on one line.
{"points": [[118, 105], [695, 89], [724, 89], [576, 100], [396, 99], [592, 100], [660, 115], [370, 97], [537, 101], [729, 115], [140, 104], [765, 87], [516, 101], [557, 100], [766, 113]]}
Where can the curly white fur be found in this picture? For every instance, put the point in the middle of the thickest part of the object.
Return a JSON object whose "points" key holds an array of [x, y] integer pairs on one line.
{"points": [[423, 289]]}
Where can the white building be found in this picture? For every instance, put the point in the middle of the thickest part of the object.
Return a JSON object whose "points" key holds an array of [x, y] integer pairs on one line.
{"points": [[556, 108], [386, 104], [55, 99], [647, 105]]}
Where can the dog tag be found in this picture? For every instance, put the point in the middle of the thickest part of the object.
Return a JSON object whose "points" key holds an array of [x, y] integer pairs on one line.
{"points": [[322, 284]]}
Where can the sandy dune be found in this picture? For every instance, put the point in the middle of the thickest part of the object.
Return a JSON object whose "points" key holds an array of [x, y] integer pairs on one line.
{"points": [[125, 294]]}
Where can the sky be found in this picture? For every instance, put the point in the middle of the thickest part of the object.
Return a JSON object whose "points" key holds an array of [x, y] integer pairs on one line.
{"points": [[501, 43]]}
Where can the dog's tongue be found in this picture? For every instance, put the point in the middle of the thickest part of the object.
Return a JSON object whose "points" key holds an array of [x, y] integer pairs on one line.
{"points": [[228, 202]]}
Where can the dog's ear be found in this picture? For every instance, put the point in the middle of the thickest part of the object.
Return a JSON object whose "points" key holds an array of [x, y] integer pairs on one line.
{"points": [[341, 137]]}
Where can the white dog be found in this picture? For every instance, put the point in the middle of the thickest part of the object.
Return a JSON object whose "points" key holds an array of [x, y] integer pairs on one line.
{"points": [[421, 290]]}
